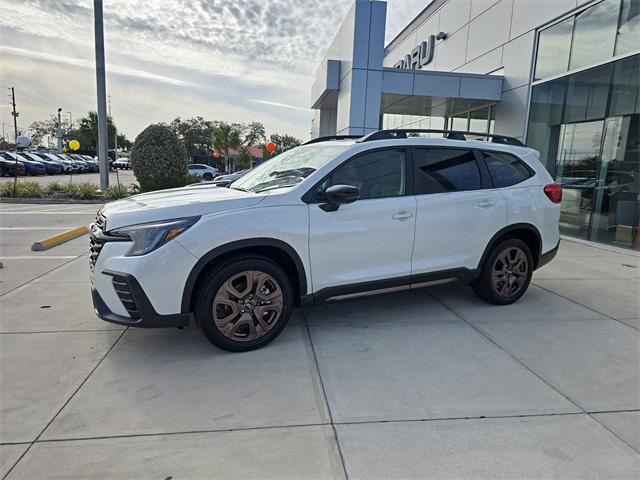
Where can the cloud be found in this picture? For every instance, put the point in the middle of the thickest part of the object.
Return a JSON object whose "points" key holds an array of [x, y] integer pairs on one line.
{"points": [[240, 60], [132, 72], [281, 105]]}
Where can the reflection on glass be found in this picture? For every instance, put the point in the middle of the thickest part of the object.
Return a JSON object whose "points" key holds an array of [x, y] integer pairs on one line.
{"points": [[625, 91], [587, 94], [545, 117], [554, 44], [594, 34], [593, 149], [460, 122], [629, 29], [617, 201], [578, 156]]}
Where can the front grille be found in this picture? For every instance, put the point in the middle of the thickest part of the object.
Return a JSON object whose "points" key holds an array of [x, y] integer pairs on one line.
{"points": [[123, 289], [95, 242]]}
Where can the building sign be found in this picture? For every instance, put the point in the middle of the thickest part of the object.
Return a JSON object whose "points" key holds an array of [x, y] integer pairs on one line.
{"points": [[421, 55]]}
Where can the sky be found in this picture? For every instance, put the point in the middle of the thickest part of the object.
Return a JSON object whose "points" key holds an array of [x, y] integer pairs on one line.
{"points": [[233, 60]]}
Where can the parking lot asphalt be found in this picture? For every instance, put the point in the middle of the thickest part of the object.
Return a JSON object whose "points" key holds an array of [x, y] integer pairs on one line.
{"points": [[429, 383], [125, 177]]}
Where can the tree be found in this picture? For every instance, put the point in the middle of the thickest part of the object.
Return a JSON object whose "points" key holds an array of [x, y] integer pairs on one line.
{"points": [[41, 129], [227, 136], [255, 134], [159, 158], [196, 134], [88, 130]]}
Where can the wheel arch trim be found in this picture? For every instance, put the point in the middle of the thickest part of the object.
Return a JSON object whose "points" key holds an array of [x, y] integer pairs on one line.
{"points": [[217, 252], [511, 228]]}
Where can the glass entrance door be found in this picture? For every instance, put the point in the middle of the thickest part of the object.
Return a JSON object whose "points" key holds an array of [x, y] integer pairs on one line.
{"points": [[615, 215], [577, 172]]}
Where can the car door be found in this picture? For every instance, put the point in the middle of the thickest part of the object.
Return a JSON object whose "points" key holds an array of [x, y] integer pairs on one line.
{"points": [[372, 238], [458, 211]]}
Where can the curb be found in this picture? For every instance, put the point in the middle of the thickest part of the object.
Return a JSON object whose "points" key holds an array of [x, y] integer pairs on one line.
{"points": [[51, 201], [58, 239]]}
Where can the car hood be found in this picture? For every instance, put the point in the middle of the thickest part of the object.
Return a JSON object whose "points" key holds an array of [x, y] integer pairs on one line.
{"points": [[176, 203]]}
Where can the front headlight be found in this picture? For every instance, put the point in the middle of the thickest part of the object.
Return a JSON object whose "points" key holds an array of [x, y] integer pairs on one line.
{"points": [[147, 237]]}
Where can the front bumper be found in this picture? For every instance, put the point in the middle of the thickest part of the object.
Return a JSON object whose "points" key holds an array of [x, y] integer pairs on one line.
{"points": [[145, 315]]}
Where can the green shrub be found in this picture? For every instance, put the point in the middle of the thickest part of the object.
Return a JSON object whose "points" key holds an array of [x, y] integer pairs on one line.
{"points": [[83, 191], [117, 191], [159, 158], [23, 189], [56, 188]]}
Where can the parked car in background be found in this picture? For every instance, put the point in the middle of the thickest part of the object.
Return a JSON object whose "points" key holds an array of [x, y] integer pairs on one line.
{"points": [[226, 180], [332, 218], [51, 167], [8, 167], [87, 163], [32, 167], [82, 165], [206, 172], [67, 165], [122, 163]]}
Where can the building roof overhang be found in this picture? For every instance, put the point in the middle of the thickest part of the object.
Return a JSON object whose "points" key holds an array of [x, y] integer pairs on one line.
{"points": [[431, 93]]}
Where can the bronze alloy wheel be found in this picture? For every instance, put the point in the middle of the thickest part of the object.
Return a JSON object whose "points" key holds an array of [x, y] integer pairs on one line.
{"points": [[247, 305], [510, 272]]}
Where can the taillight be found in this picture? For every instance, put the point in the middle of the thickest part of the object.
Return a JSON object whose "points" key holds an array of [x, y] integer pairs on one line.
{"points": [[554, 192]]}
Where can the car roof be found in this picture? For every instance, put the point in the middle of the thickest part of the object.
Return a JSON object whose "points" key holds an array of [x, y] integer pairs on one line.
{"points": [[429, 141]]}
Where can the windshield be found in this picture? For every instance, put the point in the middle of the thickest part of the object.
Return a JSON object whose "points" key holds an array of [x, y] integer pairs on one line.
{"points": [[287, 169]]}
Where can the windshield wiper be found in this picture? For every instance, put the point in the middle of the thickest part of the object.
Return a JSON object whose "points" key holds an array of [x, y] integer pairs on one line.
{"points": [[277, 183], [273, 187]]}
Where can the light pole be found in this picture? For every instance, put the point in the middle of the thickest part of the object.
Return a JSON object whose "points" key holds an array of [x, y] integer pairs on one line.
{"points": [[59, 131], [103, 159]]}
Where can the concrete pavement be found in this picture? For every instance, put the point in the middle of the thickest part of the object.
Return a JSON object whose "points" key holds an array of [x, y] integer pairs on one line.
{"points": [[431, 383]]}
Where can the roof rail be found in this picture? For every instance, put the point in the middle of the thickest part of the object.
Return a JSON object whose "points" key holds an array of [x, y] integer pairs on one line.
{"points": [[332, 137], [391, 134]]}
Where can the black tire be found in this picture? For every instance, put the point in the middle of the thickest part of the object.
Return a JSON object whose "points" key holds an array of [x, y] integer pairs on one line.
{"points": [[501, 292], [207, 176], [212, 283]]}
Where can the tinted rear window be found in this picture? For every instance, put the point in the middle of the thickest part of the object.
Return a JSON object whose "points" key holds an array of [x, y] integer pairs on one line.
{"points": [[442, 170], [505, 169]]}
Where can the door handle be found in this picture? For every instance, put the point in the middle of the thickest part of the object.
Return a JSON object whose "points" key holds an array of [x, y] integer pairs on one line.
{"points": [[402, 215], [486, 203]]}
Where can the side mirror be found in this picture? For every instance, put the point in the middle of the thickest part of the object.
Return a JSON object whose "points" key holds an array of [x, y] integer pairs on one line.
{"points": [[339, 195]]}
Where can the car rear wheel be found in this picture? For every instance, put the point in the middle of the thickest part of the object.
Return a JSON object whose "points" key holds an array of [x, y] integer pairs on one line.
{"points": [[244, 303], [506, 273]]}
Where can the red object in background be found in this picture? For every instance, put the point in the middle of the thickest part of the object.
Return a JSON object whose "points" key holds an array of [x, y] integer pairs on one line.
{"points": [[271, 147], [215, 154]]}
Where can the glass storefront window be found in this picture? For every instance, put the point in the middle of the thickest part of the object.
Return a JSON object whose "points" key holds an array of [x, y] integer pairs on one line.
{"points": [[587, 94], [579, 151], [594, 34], [625, 92], [545, 118], [587, 128], [629, 28], [554, 45], [615, 213]]}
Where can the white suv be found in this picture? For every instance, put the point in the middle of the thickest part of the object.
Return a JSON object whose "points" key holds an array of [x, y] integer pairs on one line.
{"points": [[331, 218]]}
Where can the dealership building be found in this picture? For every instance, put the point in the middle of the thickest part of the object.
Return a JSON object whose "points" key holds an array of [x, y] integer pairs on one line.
{"points": [[561, 75]]}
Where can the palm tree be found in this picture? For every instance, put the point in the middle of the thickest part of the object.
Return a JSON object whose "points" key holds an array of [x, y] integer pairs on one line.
{"points": [[225, 137]]}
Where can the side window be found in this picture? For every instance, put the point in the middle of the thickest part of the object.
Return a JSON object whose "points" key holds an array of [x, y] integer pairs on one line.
{"points": [[377, 174], [505, 169], [441, 170]]}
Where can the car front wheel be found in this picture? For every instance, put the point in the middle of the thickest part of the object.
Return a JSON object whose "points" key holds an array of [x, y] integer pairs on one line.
{"points": [[506, 273], [244, 303]]}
